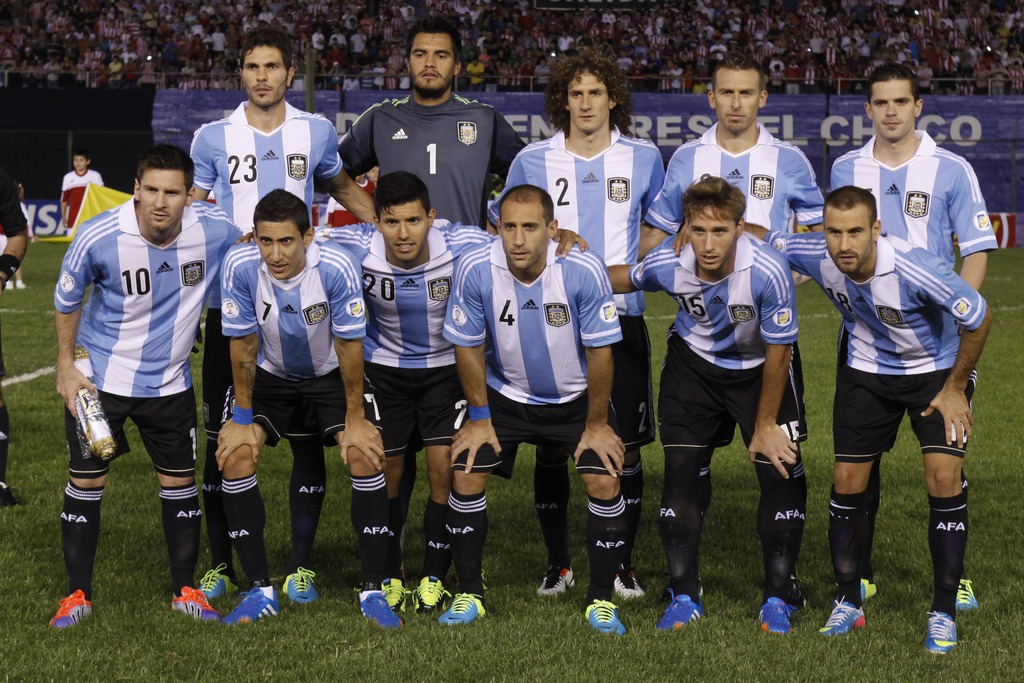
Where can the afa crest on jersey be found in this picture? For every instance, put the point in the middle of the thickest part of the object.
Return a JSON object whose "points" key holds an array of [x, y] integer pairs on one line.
{"points": [[618, 189], [298, 166], [316, 314], [762, 186], [192, 273], [439, 289], [917, 204], [889, 315], [467, 132], [556, 315], [741, 313]]}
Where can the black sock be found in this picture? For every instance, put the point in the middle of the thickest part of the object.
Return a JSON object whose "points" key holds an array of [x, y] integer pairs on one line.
{"points": [[704, 487], [682, 518], [5, 433], [370, 521], [632, 483], [407, 484], [781, 514], [437, 557], [247, 518], [872, 500], [179, 508], [551, 500], [607, 528], [947, 541], [847, 530], [213, 513], [467, 524], [393, 568], [80, 530], [306, 492], [963, 487]]}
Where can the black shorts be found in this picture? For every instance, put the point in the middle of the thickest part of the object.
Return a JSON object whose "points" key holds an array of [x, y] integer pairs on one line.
{"points": [[217, 380], [700, 404], [278, 405], [3, 370], [869, 407], [424, 401], [167, 427], [632, 388], [559, 426]]}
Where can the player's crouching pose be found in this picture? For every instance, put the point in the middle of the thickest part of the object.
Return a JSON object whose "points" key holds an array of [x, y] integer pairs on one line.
{"points": [[151, 263], [545, 379], [913, 332], [294, 312], [729, 362]]}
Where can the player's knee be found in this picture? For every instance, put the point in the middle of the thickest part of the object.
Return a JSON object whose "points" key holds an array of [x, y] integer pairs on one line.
{"points": [[850, 477], [239, 463], [601, 486], [943, 482], [469, 484], [91, 483]]}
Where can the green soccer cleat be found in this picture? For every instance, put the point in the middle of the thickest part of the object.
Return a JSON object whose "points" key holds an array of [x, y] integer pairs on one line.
{"points": [[216, 584], [299, 586], [395, 593], [868, 588], [965, 600], [603, 617], [430, 596], [465, 609]]}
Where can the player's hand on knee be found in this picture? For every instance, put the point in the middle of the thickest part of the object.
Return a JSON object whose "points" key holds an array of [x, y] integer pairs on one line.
{"points": [[474, 435], [773, 442], [361, 435], [566, 239], [69, 381], [233, 435], [602, 439], [956, 414]]}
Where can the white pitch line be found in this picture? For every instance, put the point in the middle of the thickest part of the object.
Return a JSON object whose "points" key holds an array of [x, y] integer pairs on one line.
{"points": [[29, 376]]}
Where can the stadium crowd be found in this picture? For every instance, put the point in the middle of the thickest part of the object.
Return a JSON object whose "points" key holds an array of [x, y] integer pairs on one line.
{"points": [[958, 47]]}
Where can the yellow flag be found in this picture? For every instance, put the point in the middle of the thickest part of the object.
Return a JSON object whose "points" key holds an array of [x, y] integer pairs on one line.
{"points": [[96, 200]]}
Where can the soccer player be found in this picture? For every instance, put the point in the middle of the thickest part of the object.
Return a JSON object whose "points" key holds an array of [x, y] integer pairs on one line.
{"points": [[913, 334], [265, 144], [545, 378], [72, 189], [603, 182], [925, 195], [294, 312], [13, 245], [729, 363], [151, 264]]}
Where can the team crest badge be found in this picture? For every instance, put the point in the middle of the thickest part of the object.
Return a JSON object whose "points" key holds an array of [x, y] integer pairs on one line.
{"points": [[439, 289], [467, 132], [762, 186], [961, 307], [556, 314], [192, 273], [608, 313], [298, 166], [917, 204], [889, 315], [783, 317], [618, 190], [316, 313], [982, 220], [741, 313], [355, 308]]}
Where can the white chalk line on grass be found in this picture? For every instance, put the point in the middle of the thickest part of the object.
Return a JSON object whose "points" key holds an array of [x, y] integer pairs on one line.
{"points": [[28, 376]]}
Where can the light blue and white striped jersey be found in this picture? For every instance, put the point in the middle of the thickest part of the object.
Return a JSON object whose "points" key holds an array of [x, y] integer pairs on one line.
{"points": [[902, 321], [728, 322], [774, 175], [297, 319], [241, 164], [925, 201], [141, 318], [537, 332], [603, 198], [407, 307]]}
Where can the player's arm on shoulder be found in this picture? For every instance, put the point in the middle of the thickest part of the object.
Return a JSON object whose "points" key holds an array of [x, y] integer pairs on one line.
{"points": [[769, 438], [650, 237], [598, 435], [361, 439], [622, 283], [348, 193], [478, 430]]}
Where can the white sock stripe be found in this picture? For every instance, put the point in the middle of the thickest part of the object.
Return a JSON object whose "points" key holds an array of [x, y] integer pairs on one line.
{"points": [[371, 483], [635, 468], [958, 507], [467, 506], [179, 494], [238, 485], [616, 508], [73, 491], [704, 471]]}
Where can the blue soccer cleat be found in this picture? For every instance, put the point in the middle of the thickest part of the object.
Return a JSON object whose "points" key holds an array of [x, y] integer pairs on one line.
{"points": [[680, 612], [774, 616], [941, 636], [603, 617], [375, 607], [465, 609], [216, 584], [844, 618], [299, 586], [254, 606], [965, 600]]}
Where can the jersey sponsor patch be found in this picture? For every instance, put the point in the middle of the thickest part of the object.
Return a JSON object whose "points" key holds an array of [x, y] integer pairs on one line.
{"points": [[762, 186], [983, 221], [316, 313], [608, 313], [916, 205], [556, 315], [355, 308], [459, 316], [192, 273], [67, 283], [741, 313], [467, 132], [618, 190], [889, 315], [783, 316], [229, 308], [439, 289], [298, 166], [961, 307]]}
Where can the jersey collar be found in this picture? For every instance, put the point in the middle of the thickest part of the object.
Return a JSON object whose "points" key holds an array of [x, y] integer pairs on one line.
{"points": [[312, 259], [128, 222], [558, 142], [763, 137], [238, 115], [744, 257], [926, 148], [436, 245]]}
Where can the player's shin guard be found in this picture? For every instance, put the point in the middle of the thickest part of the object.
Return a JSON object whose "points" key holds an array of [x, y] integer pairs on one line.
{"points": [[847, 533], [80, 529], [467, 526], [632, 484], [396, 525], [182, 520], [247, 519], [682, 518], [213, 513], [306, 492], [551, 500], [437, 556], [947, 541], [704, 487], [370, 521], [5, 431], [781, 514], [607, 528], [873, 499]]}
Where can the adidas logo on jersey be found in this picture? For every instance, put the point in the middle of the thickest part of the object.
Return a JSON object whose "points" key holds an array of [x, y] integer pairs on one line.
{"points": [[591, 178], [410, 284], [735, 175], [270, 156], [528, 306], [165, 267], [289, 309], [893, 190], [400, 135], [717, 300]]}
